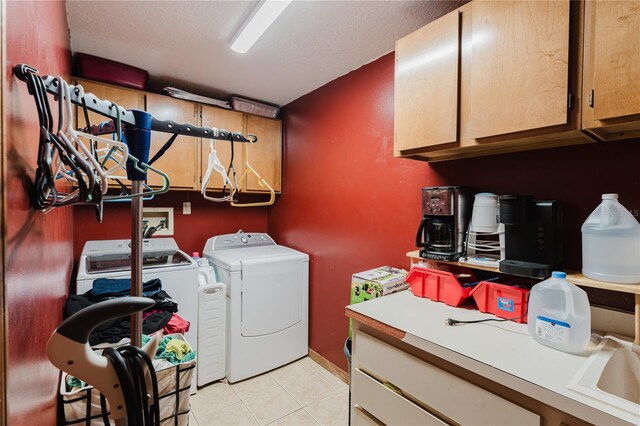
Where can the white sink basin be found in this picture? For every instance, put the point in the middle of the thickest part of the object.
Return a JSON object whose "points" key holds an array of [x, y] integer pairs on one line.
{"points": [[611, 375]]}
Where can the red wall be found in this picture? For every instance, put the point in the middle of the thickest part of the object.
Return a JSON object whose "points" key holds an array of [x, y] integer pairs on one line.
{"points": [[346, 201], [352, 206], [190, 231], [39, 249]]}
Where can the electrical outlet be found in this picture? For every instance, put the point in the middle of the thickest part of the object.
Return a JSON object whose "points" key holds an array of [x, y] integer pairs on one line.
{"points": [[186, 207]]}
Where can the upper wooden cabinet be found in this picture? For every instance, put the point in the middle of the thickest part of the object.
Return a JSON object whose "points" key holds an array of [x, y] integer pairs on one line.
{"points": [[187, 160], [180, 162], [126, 98], [427, 63], [265, 156], [519, 66], [491, 77], [612, 69]]}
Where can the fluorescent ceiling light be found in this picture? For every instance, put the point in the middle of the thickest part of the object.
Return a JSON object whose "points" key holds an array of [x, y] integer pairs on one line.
{"points": [[261, 18]]}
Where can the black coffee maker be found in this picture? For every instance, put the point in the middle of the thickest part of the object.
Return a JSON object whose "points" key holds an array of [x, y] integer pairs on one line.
{"points": [[446, 211], [533, 236]]}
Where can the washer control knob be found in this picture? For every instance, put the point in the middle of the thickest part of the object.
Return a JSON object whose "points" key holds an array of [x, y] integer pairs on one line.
{"points": [[244, 240]]}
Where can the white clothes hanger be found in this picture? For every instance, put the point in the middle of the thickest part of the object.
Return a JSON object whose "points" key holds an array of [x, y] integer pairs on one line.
{"points": [[65, 113], [215, 164], [112, 150], [67, 132]]}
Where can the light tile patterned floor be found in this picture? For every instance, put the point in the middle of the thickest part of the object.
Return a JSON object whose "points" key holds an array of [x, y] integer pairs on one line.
{"points": [[302, 393]]}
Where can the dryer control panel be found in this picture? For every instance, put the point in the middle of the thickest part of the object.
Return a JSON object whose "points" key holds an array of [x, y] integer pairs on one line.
{"points": [[238, 240]]}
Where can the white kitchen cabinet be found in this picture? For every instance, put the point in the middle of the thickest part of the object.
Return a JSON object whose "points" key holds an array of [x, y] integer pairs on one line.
{"points": [[362, 418], [399, 388], [406, 359], [387, 405]]}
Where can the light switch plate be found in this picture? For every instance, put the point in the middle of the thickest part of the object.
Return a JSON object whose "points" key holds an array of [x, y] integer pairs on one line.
{"points": [[154, 215], [186, 207]]}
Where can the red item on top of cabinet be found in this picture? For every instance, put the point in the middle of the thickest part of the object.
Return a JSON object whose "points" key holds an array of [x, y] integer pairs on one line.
{"points": [[439, 286], [108, 71], [502, 300]]}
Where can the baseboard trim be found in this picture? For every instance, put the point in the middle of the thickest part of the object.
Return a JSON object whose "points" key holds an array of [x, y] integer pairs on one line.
{"points": [[333, 369]]}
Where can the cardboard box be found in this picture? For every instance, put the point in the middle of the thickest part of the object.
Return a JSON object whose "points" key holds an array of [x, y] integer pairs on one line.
{"points": [[376, 283]]}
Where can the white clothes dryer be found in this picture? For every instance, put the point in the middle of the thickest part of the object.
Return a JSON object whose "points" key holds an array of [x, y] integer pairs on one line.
{"points": [[267, 302]]}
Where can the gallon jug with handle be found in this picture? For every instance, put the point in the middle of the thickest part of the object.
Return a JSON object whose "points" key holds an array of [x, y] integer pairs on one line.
{"points": [[611, 243], [206, 274], [559, 314]]}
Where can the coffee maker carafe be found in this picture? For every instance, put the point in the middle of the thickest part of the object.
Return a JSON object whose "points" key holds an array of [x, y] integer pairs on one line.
{"points": [[445, 217]]}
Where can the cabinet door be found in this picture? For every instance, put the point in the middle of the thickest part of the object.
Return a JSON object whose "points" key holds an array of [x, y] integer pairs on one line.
{"points": [[616, 61], [519, 66], [126, 98], [227, 120], [426, 85], [265, 156], [179, 162]]}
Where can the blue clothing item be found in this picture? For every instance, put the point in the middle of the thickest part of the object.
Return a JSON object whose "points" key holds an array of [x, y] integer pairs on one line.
{"points": [[108, 288]]}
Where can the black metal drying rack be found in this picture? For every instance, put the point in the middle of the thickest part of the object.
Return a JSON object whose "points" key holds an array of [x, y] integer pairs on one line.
{"points": [[137, 126]]}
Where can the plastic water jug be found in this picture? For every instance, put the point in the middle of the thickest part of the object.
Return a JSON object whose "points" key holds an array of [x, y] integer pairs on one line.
{"points": [[611, 243], [559, 314], [206, 274]]}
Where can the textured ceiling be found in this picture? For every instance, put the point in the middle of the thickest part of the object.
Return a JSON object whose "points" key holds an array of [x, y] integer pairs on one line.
{"points": [[186, 43]]}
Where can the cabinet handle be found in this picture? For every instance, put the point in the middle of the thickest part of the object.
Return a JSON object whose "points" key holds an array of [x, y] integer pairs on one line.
{"points": [[393, 388], [592, 95]]}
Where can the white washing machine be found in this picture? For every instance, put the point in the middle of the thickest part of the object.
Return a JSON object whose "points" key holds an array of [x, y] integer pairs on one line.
{"points": [[267, 302], [162, 259]]}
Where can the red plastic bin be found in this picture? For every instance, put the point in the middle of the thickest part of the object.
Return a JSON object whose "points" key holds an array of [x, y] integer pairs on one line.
{"points": [[108, 71], [439, 286], [503, 301]]}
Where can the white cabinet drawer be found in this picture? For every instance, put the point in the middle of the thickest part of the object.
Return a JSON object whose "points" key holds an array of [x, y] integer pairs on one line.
{"points": [[359, 417], [441, 391], [386, 405]]}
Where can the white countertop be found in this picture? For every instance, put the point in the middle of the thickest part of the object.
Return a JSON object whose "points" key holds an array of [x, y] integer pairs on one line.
{"points": [[503, 347]]}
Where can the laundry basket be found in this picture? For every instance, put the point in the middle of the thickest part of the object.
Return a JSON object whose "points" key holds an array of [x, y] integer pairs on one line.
{"points": [[82, 406]]}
